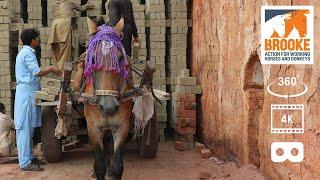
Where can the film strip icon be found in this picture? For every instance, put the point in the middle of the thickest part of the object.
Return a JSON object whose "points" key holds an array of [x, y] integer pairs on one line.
{"points": [[276, 129]]}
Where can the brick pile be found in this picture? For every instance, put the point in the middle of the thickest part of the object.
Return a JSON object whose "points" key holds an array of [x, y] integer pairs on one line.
{"points": [[34, 13], [184, 108], [139, 15], [177, 37], [46, 52], [97, 8], [5, 76], [156, 20]]}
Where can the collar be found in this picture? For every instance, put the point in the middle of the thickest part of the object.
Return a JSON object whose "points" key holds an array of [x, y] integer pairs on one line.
{"points": [[28, 47]]}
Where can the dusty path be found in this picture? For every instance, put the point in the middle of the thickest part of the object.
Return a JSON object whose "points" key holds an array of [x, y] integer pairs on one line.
{"points": [[169, 164]]}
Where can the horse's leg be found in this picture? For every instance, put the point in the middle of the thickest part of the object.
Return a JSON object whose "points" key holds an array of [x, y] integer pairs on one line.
{"points": [[119, 137], [99, 166]]}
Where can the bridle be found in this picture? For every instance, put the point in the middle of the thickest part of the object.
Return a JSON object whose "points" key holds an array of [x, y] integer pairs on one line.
{"points": [[121, 94]]}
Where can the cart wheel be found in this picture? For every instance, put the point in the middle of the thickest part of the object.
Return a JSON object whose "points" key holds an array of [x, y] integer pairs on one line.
{"points": [[150, 151], [52, 147]]}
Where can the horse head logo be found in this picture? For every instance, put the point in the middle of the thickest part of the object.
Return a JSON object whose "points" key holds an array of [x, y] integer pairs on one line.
{"points": [[296, 22]]}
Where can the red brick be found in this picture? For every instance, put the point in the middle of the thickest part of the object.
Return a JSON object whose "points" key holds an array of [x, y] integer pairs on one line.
{"points": [[186, 113], [205, 153], [199, 147], [186, 130], [181, 97], [191, 97], [181, 105], [179, 146], [187, 105], [187, 122]]}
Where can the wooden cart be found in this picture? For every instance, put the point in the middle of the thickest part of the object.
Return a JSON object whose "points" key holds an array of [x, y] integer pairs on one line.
{"points": [[65, 110]]}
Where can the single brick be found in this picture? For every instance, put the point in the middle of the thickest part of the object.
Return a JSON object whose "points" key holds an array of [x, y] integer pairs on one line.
{"points": [[205, 153], [44, 96], [199, 147], [179, 145], [45, 82], [186, 113], [186, 81], [53, 90]]}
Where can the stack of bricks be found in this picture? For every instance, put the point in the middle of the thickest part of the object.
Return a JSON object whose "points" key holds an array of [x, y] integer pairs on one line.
{"points": [[5, 77], [139, 15], [96, 11], [46, 52], [177, 37], [34, 13], [50, 8], [187, 84], [177, 32], [156, 20], [50, 89], [184, 109], [15, 6]]}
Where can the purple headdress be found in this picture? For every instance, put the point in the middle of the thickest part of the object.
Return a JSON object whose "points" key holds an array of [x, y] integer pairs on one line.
{"points": [[103, 53]]}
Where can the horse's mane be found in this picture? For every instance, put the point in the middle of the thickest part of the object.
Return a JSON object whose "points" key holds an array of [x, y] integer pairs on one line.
{"points": [[102, 53]]}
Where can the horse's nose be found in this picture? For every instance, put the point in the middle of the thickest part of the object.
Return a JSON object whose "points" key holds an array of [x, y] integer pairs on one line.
{"points": [[108, 105]]}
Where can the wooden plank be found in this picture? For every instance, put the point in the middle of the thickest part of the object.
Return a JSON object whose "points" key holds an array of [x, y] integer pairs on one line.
{"points": [[63, 98], [54, 103]]}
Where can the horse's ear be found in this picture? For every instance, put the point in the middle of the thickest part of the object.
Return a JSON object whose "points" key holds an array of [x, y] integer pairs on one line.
{"points": [[119, 26], [93, 28]]}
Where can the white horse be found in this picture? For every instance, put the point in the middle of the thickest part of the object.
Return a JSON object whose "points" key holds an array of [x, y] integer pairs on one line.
{"points": [[275, 24]]}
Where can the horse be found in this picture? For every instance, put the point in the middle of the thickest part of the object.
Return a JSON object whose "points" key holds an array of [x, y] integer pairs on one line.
{"points": [[107, 79]]}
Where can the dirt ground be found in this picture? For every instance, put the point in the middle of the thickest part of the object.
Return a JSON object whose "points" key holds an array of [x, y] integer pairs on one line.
{"points": [[169, 164]]}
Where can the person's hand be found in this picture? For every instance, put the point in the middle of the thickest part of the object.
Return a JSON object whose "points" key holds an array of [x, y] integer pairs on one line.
{"points": [[80, 66], [54, 70], [136, 40], [89, 5]]}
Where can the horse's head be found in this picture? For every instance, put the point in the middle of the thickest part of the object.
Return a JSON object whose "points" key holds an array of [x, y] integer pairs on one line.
{"points": [[299, 21], [107, 65]]}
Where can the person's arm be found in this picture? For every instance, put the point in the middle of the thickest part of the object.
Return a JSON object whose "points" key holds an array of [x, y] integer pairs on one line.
{"points": [[32, 65], [113, 8], [79, 75], [88, 5], [47, 70], [78, 78], [133, 22]]}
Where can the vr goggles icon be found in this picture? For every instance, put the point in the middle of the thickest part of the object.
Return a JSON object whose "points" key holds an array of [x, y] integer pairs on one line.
{"points": [[287, 147]]}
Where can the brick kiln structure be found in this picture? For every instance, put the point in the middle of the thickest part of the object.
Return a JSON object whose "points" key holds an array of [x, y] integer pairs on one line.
{"points": [[235, 106]]}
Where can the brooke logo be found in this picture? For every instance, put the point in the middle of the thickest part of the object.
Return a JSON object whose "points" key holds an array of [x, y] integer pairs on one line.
{"points": [[287, 34]]}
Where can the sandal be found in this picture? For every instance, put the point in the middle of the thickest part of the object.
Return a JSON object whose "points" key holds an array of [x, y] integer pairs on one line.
{"points": [[32, 167], [37, 161]]}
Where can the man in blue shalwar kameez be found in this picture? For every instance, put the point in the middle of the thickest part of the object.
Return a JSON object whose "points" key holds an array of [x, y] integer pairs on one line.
{"points": [[27, 116]]}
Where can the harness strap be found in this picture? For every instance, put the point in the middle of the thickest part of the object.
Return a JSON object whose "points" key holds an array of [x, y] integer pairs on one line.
{"points": [[107, 93]]}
